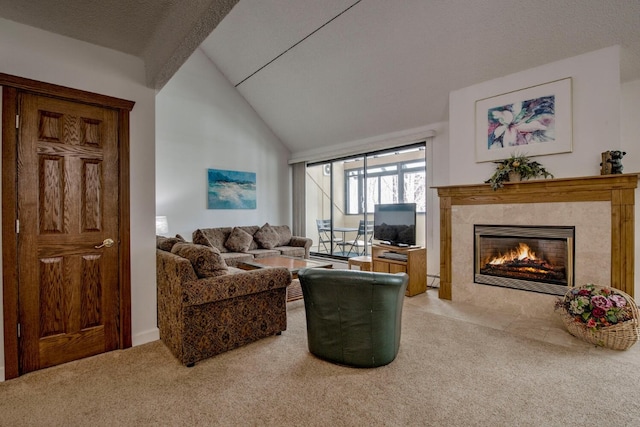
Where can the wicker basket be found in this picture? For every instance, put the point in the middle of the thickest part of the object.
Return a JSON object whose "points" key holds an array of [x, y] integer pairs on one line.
{"points": [[620, 336]]}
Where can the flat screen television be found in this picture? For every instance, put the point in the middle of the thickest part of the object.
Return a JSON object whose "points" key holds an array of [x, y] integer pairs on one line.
{"points": [[395, 224]]}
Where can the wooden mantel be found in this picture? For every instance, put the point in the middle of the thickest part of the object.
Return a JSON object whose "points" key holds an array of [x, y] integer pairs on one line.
{"points": [[618, 189]]}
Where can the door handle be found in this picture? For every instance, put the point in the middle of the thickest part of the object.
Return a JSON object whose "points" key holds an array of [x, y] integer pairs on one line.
{"points": [[105, 243]]}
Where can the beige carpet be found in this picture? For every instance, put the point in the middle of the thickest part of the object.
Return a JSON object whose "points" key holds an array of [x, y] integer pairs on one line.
{"points": [[448, 373]]}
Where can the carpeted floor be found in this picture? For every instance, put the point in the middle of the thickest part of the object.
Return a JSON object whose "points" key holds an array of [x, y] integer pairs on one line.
{"points": [[449, 372]]}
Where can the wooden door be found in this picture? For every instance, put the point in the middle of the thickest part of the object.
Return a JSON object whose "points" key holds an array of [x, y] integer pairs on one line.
{"points": [[67, 186]]}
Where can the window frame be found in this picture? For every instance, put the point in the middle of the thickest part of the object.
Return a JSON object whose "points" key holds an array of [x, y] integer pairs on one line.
{"points": [[399, 172]]}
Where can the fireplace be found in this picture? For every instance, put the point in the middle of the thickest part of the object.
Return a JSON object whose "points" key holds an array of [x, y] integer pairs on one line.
{"points": [[532, 258]]}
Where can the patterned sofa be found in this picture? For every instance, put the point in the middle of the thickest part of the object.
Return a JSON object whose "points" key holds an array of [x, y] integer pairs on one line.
{"points": [[206, 308], [238, 244]]}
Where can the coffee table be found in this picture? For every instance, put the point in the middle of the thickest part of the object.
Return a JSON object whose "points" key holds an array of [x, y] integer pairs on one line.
{"points": [[293, 264]]}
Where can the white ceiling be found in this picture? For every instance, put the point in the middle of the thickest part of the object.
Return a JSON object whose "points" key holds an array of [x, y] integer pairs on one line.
{"points": [[326, 72], [164, 33]]}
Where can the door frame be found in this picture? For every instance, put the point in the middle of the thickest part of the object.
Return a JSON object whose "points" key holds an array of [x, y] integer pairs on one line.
{"points": [[11, 86]]}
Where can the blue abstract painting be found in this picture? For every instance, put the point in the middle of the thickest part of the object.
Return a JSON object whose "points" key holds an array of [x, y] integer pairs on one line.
{"points": [[231, 189]]}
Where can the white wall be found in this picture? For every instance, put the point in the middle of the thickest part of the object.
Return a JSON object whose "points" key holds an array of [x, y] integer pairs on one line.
{"points": [[596, 118], [437, 175], [203, 122], [630, 125], [35, 54], [630, 137]]}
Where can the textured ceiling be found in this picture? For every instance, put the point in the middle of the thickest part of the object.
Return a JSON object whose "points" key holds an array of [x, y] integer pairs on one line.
{"points": [[386, 66], [326, 72], [164, 33]]}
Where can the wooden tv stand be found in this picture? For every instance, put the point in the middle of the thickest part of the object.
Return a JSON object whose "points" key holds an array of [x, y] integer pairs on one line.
{"points": [[415, 265]]}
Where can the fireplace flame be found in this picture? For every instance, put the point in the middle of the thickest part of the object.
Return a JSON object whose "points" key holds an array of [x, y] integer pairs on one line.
{"points": [[523, 251]]}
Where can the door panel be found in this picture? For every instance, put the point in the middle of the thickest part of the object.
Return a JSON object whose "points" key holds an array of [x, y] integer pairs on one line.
{"points": [[67, 205]]}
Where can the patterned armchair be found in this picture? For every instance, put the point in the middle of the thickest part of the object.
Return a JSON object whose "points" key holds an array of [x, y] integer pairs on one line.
{"points": [[201, 317]]}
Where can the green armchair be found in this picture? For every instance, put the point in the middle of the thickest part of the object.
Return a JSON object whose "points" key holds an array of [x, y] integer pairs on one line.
{"points": [[353, 317]]}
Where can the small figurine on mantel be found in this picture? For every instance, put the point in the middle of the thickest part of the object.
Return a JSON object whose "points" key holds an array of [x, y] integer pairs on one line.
{"points": [[612, 162]]}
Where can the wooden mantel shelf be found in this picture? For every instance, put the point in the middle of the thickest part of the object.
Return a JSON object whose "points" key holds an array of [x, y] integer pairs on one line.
{"points": [[589, 188], [617, 189]]}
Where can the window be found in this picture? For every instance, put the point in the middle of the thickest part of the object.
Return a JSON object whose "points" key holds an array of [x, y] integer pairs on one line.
{"points": [[397, 182]]}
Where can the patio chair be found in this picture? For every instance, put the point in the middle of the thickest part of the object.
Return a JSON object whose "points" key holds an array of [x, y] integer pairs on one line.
{"points": [[362, 240], [325, 237]]}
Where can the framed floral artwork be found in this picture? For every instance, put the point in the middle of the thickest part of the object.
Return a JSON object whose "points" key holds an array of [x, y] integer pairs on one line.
{"points": [[535, 121]]}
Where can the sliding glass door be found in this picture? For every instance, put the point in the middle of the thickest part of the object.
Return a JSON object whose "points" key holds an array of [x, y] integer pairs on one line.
{"points": [[341, 195], [347, 208], [318, 208]]}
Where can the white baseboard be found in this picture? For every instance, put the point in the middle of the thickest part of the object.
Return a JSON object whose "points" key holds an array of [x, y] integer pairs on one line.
{"points": [[2, 374], [146, 336]]}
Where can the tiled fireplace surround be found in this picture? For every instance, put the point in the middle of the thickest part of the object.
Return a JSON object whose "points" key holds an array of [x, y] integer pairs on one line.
{"points": [[600, 207]]}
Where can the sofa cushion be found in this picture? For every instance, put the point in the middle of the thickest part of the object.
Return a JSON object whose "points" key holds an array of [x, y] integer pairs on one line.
{"points": [[264, 253], [239, 240], [166, 243], [206, 261], [295, 251], [234, 259], [214, 237], [251, 229], [284, 232], [267, 237]]}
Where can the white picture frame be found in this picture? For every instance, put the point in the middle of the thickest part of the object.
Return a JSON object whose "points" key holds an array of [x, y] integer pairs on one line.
{"points": [[534, 121]]}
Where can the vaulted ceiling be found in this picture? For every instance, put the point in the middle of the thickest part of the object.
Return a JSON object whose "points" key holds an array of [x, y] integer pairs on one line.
{"points": [[164, 33], [333, 71]]}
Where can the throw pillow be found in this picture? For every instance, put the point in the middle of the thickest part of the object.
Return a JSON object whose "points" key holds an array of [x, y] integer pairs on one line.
{"points": [[167, 243], [214, 237], [239, 240], [199, 238], [285, 234], [206, 261], [251, 229], [267, 237]]}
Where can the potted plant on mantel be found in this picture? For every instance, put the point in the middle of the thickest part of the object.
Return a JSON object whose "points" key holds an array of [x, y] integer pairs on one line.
{"points": [[516, 168]]}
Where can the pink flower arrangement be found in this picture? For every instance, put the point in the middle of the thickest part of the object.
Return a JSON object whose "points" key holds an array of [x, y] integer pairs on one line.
{"points": [[595, 306]]}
